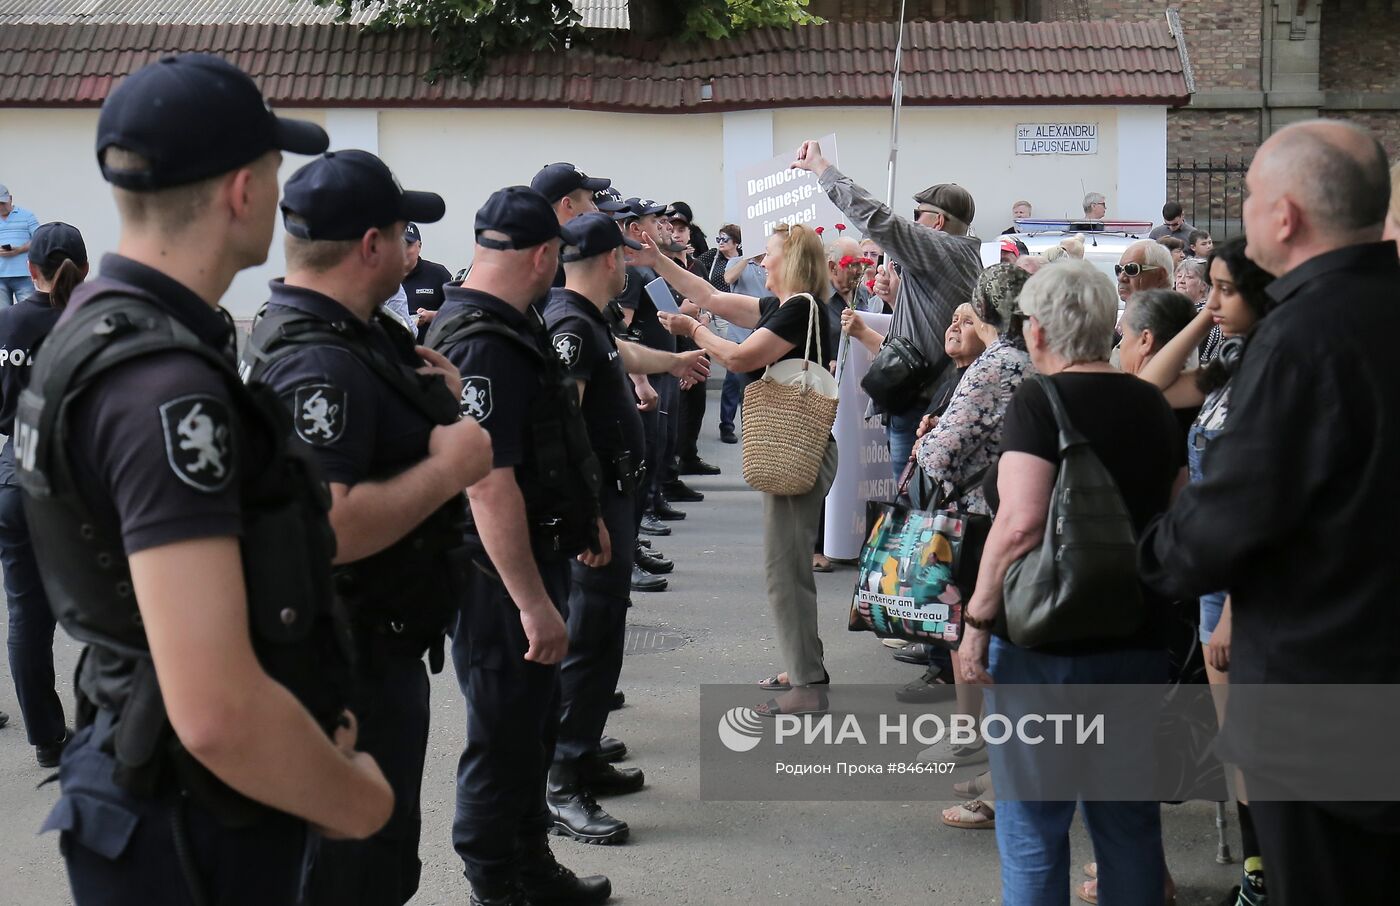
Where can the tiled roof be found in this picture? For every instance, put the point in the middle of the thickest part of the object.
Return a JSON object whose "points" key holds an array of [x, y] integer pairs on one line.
{"points": [[595, 13], [839, 63], [156, 12]]}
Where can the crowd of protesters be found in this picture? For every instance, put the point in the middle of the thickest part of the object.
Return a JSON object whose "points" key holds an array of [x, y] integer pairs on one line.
{"points": [[1238, 392]]}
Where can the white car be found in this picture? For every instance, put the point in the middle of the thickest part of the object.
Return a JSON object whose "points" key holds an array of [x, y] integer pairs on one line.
{"points": [[1104, 241]]}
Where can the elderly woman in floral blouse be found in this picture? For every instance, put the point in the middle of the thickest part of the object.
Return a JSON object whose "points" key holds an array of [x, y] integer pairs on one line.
{"points": [[959, 449], [965, 440]]}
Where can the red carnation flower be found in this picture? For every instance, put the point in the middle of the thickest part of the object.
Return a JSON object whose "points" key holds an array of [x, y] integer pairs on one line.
{"points": [[840, 228], [870, 285], [819, 230]]}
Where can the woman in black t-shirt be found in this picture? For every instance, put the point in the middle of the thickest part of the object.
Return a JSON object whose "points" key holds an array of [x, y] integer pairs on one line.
{"points": [[796, 265], [58, 262], [1071, 309]]}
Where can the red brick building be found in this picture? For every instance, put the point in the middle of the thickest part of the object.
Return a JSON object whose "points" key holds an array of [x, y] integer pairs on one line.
{"points": [[1256, 65]]}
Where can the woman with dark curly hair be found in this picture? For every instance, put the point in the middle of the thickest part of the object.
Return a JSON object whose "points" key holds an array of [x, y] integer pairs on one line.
{"points": [[1237, 303]]}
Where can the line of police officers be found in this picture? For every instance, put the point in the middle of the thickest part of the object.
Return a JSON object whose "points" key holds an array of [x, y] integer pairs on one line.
{"points": [[259, 557]]}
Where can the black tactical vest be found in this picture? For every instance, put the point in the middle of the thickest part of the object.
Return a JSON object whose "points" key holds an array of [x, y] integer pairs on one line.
{"points": [[298, 629], [410, 591], [560, 477]]}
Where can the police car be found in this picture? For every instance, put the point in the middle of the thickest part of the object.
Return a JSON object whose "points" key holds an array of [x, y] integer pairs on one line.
{"points": [[1104, 240]]}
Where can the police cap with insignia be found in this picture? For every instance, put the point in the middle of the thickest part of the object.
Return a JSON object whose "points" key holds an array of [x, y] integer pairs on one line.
{"points": [[590, 235], [610, 202], [557, 180], [342, 194], [193, 116], [520, 214], [642, 207]]}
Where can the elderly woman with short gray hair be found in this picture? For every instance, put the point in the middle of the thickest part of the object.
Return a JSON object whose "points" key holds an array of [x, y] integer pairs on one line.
{"points": [[1070, 312]]}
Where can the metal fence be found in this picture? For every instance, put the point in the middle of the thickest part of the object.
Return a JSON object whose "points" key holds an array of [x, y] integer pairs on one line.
{"points": [[1211, 193]]}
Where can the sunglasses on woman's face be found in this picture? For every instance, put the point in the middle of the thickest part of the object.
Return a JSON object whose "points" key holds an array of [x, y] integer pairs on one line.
{"points": [[722, 239], [1134, 269]]}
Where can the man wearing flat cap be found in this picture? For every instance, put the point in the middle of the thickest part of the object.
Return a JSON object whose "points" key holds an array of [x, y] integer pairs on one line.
{"points": [[939, 263]]}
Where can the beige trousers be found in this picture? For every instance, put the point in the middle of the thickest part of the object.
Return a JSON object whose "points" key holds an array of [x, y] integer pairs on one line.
{"points": [[789, 535]]}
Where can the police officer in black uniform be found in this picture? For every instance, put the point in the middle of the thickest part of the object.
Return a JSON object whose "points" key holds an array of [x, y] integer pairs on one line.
{"points": [[58, 262], [423, 282], [600, 595], [397, 458], [537, 509], [570, 192], [181, 536]]}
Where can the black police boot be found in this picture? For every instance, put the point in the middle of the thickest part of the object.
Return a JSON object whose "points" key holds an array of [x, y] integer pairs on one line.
{"points": [[50, 754], [652, 562], [603, 779], [547, 883], [645, 581], [576, 813], [680, 491], [698, 466], [618, 700], [497, 894], [650, 525], [667, 513], [612, 749]]}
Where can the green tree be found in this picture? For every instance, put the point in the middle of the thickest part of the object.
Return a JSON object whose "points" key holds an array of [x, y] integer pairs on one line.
{"points": [[468, 34]]}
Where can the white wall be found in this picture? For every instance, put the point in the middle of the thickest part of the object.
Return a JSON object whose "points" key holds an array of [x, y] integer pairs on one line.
{"points": [[467, 154], [52, 170]]}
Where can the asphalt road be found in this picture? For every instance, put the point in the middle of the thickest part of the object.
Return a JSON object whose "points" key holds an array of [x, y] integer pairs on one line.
{"points": [[683, 851]]}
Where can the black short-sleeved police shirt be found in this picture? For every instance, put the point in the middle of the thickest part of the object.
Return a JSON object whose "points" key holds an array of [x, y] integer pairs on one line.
{"points": [[500, 381], [359, 427], [789, 320], [584, 344], [162, 447], [646, 326], [22, 326], [424, 285]]}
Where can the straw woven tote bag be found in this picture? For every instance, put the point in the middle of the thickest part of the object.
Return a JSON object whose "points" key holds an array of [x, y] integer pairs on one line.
{"points": [[788, 415]]}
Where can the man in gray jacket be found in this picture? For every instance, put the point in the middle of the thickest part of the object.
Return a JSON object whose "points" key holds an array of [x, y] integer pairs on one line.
{"points": [[938, 262]]}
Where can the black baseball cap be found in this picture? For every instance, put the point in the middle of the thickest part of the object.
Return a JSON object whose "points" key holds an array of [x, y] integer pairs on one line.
{"points": [[557, 180], [341, 194], [682, 210], [609, 201], [193, 116], [411, 234], [643, 207], [590, 235], [53, 242], [519, 212]]}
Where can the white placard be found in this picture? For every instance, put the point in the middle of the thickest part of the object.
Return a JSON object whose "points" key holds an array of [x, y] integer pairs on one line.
{"points": [[863, 465], [1057, 138], [772, 192]]}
